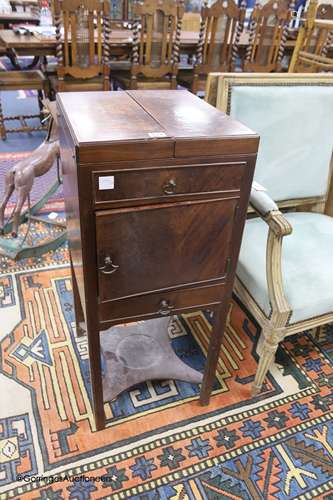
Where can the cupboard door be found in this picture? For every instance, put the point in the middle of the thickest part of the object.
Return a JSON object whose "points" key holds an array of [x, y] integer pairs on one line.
{"points": [[161, 247]]}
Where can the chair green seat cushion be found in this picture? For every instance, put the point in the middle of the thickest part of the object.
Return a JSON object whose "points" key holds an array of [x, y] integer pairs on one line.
{"points": [[307, 264]]}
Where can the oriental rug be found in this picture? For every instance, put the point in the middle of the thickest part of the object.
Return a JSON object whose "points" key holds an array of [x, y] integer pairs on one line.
{"points": [[159, 442]]}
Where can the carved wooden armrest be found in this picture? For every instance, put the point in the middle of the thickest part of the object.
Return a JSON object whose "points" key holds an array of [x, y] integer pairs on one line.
{"points": [[278, 223], [279, 227], [269, 211]]}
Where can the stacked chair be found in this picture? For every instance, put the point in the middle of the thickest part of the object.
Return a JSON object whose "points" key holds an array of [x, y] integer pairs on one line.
{"points": [[22, 80], [267, 36], [156, 40], [315, 38], [82, 62], [217, 50]]}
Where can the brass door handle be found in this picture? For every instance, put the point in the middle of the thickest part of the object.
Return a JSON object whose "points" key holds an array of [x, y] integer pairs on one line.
{"points": [[165, 307], [169, 187], [109, 267]]}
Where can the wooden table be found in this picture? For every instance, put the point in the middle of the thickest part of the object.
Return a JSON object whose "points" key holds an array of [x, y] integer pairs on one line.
{"points": [[121, 44], [17, 17], [156, 188], [35, 44], [38, 46]]}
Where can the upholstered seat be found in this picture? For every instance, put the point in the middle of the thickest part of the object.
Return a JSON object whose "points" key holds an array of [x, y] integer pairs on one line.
{"points": [[307, 269]]}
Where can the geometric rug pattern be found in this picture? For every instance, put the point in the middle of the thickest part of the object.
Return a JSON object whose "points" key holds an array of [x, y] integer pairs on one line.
{"points": [[159, 442]]}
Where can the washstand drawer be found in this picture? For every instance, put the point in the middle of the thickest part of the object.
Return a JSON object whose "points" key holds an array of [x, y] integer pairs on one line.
{"points": [[149, 184], [161, 304]]}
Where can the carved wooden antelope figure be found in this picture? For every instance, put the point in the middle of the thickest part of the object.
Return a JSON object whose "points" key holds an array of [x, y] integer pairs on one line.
{"points": [[21, 176]]}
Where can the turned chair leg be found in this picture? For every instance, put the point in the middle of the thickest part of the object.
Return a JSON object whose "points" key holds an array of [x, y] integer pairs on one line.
{"points": [[195, 84], [269, 349], [40, 97], [2, 123]]}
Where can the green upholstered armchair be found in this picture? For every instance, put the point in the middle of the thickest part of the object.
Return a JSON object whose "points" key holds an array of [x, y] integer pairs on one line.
{"points": [[285, 269]]}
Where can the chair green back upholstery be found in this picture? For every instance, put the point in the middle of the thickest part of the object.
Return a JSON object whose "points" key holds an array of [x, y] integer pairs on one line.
{"points": [[296, 136]]}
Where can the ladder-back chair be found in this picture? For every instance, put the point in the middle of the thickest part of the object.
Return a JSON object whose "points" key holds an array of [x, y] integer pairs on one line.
{"points": [[315, 38], [220, 30], [22, 80], [268, 35], [156, 40], [83, 52]]}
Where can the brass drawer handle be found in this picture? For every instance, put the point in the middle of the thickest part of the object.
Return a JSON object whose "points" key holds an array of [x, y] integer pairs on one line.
{"points": [[109, 266], [170, 187], [165, 307]]}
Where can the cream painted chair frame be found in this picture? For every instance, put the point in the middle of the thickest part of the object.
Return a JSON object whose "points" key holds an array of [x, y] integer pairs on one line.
{"points": [[316, 60], [276, 327]]}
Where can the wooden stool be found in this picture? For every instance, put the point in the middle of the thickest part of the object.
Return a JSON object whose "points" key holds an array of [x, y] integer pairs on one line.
{"points": [[21, 80]]}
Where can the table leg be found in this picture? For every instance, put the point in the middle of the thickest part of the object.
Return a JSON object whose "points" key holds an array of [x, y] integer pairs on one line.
{"points": [[93, 334], [79, 316], [94, 343], [2, 123], [214, 348]]}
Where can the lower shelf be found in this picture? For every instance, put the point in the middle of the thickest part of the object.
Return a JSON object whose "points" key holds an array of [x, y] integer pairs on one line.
{"points": [[138, 352]]}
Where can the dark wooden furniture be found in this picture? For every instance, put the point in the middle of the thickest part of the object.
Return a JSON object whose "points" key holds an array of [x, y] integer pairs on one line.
{"points": [[268, 36], [21, 80], [217, 50], [156, 189], [155, 52], [83, 55]]}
